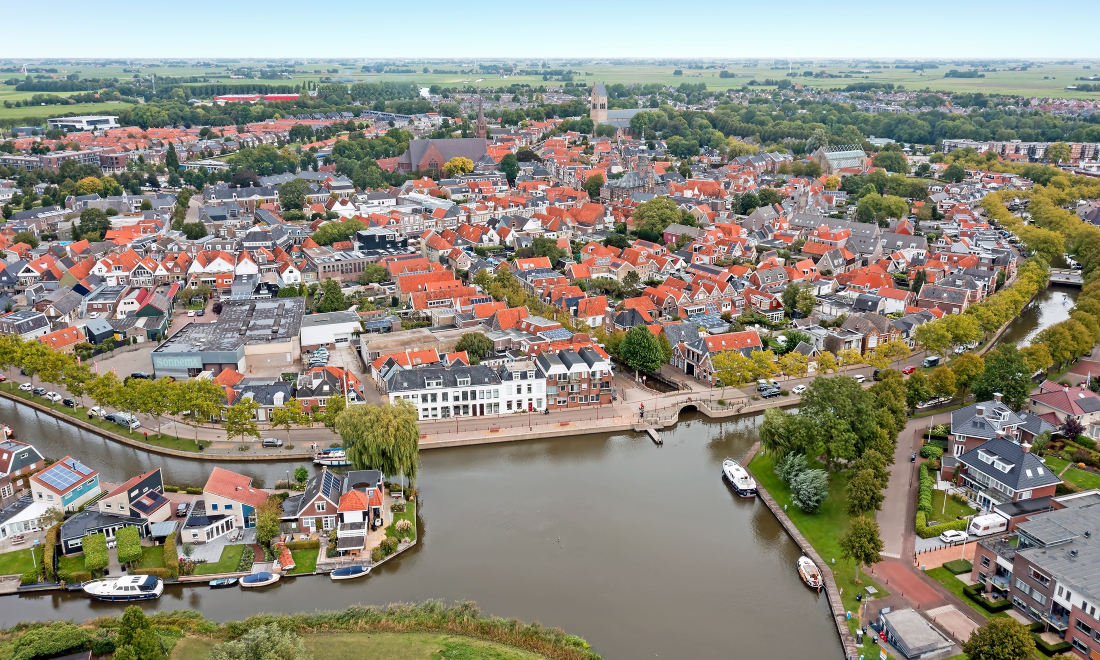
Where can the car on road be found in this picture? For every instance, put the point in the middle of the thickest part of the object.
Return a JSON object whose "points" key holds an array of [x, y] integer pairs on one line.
{"points": [[141, 374], [39, 391], [272, 442], [182, 508], [25, 387], [96, 411], [201, 312], [3, 378], [53, 396], [953, 536], [798, 389], [69, 402], [913, 457], [908, 370], [190, 313], [93, 315], [860, 378], [770, 392]]}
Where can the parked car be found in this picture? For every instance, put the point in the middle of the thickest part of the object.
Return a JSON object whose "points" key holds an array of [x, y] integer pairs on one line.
{"points": [[96, 411], [875, 374], [953, 536], [3, 378], [52, 396], [141, 374], [69, 402], [770, 392], [182, 508], [190, 313], [201, 312], [131, 423], [908, 370], [39, 391], [931, 361], [25, 387], [798, 389], [860, 378], [913, 457], [272, 442], [110, 417]]}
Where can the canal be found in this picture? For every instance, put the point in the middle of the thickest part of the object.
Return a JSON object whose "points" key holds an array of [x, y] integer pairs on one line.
{"points": [[1050, 306], [642, 550]]}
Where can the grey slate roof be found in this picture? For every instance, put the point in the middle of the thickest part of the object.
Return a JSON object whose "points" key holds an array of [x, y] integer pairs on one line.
{"points": [[965, 421], [408, 380], [1027, 471]]}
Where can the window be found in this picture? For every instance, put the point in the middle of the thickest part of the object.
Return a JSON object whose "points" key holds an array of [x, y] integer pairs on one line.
{"points": [[320, 506], [1023, 586], [1079, 645], [985, 562], [959, 449], [1039, 577], [1039, 597], [213, 507], [1084, 627]]}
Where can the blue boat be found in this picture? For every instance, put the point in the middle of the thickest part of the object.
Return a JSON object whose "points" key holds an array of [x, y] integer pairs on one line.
{"points": [[259, 579], [349, 572], [222, 583]]}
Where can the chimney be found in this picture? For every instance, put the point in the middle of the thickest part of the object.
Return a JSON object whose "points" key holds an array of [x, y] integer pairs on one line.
{"points": [[980, 411], [1026, 446], [997, 397]]}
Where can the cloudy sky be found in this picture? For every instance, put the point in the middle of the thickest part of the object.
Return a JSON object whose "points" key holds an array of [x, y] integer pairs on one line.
{"points": [[564, 29]]}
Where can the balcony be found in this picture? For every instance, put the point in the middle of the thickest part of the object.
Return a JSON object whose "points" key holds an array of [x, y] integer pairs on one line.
{"points": [[999, 582], [351, 529], [1057, 622]]}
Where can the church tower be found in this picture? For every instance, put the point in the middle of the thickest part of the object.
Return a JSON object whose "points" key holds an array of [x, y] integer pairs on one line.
{"points": [[598, 104], [482, 130]]}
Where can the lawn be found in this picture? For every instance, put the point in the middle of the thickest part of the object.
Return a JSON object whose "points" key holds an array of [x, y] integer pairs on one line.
{"points": [[152, 557], [305, 561], [408, 514], [380, 646], [71, 563], [18, 562], [822, 529], [166, 441], [1082, 478], [955, 586], [953, 511], [228, 563]]}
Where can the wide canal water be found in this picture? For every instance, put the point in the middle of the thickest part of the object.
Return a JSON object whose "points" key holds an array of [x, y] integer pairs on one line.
{"points": [[1047, 308], [656, 557]]}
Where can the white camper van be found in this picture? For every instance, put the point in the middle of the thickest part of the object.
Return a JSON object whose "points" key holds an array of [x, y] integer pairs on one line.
{"points": [[988, 524]]}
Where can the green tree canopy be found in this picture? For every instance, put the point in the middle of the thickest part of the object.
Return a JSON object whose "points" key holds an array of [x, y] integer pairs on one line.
{"points": [[476, 345], [385, 438], [640, 350]]}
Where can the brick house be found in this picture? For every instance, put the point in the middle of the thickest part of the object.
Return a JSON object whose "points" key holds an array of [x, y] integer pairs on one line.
{"points": [[574, 378]]}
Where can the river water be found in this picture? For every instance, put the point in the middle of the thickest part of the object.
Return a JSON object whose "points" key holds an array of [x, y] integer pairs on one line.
{"points": [[639, 549], [642, 550]]}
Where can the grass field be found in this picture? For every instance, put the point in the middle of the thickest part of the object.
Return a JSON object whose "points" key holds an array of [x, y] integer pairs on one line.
{"points": [[953, 508], [70, 564], [408, 514], [227, 563], [1082, 478], [380, 646], [152, 557], [305, 561], [18, 562], [1044, 79], [822, 529]]}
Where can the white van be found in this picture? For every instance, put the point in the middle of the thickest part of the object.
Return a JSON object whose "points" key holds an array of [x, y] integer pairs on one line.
{"points": [[988, 524]]}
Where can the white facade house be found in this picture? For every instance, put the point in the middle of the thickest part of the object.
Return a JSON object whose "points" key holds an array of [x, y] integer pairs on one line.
{"points": [[330, 329], [443, 392], [84, 123]]}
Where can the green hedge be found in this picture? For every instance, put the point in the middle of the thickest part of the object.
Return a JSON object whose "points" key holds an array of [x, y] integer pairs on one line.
{"points": [[928, 532], [171, 557], [1050, 649], [48, 549], [129, 544], [74, 577], [973, 591], [95, 552], [315, 544], [162, 573], [30, 577], [958, 566]]}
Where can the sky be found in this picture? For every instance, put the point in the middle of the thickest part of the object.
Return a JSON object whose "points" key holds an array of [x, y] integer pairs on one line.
{"points": [[931, 29]]}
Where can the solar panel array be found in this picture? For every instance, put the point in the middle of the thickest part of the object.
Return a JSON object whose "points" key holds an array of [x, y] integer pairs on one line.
{"points": [[78, 466], [59, 477], [331, 484]]}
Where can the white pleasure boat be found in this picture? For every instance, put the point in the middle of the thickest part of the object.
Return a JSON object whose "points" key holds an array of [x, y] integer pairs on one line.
{"points": [[739, 478]]}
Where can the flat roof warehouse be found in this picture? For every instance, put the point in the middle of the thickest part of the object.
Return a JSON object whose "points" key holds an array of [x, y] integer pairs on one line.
{"points": [[215, 346]]}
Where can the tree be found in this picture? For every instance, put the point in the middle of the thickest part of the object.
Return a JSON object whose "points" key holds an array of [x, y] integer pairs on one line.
{"points": [[1005, 373], [640, 350], [954, 173], [104, 389], [244, 178], [819, 138], [133, 621], [917, 390], [864, 493], [891, 161], [809, 489], [292, 194], [267, 520], [267, 642], [942, 382], [240, 419], [201, 399], [331, 414], [371, 274], [861, 543], [92, 221], [666, 348], [385, 438], [794, 364], [332, 297], [171, 159], [287, 415], [476, 345], [25, 237], [193, 230], [510, 166], [653, 217], [457, 165], [593, 184], [799, 298], [832, 183], [934, 337], [967, 367], [1000, 639], [874, 461], [301, 473], [732, 368], [1036, 357], [843, 414], [1058, 152], [11, 354]]}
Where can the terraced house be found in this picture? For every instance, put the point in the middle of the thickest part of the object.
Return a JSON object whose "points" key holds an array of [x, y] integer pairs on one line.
{"points": [[574, 378]]}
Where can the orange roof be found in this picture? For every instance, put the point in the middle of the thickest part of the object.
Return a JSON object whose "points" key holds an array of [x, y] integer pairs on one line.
{"points": [[62, 338], [233, 486], [229, 377]]}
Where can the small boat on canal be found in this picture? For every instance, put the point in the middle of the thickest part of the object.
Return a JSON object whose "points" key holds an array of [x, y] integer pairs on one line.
{"points": [[126, 588], [259, 579], [223, 583], [332, 458], [739, 478], [809, 573], [349, 572]]}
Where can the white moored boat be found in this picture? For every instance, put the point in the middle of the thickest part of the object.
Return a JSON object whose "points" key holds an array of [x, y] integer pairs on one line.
{"points": [[332, 458], [130, 587], [261, 579], [739, 478], [809, 573]]}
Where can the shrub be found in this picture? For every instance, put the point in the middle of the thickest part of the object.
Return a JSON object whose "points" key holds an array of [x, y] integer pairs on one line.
{"points": [[187, 567], [388, 546], [1048, 648], [303, 545], [193, 491], [403, 527], [171, 557], [958, 566], [50, 641], [926, 532], [248, 557], [48, 549], [783, 392], [377, 554], [973, 591], [721, 402], [74, 577], [790, 466], [30, 577], [931, 452], [809, 489], [171, 489], [95, 552], [398, 507], [1085, 441], [162, 573], [129, 544]]}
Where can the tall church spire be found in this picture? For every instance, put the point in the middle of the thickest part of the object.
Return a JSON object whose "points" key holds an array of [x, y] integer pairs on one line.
{"points": [[482, 129]]}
